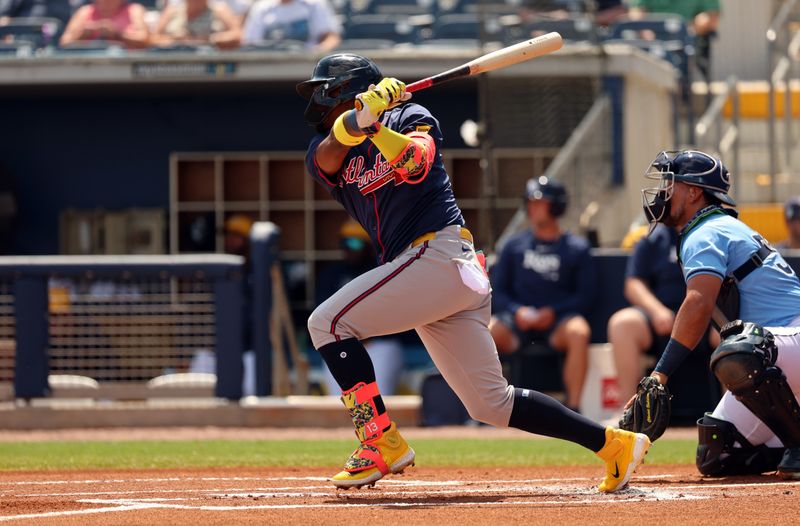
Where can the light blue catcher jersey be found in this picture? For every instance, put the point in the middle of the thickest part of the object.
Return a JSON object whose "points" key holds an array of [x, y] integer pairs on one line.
{"points": [[720, 244]]}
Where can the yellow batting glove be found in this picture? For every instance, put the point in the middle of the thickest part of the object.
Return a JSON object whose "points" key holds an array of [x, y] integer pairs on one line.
{"points": [[394, 89], [371, 104]]}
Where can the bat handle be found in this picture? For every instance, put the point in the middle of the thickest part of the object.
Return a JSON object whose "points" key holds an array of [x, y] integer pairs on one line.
{"points": [[410, 88], [419, 85]]}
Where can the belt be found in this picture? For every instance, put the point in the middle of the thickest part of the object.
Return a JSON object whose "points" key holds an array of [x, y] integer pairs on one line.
{"points": [[465, 234]]}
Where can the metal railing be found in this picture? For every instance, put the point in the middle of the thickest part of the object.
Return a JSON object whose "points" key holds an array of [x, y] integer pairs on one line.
{"points": [[724, 141], [119, 319], [782, 48], [585, 152]]}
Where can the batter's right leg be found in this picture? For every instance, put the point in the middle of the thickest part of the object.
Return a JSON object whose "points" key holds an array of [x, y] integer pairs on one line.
{"points": [[464, 352]]}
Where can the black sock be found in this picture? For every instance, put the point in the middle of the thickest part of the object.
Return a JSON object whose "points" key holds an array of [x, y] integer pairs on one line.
{"points": [[350, 364], [538, 413]]}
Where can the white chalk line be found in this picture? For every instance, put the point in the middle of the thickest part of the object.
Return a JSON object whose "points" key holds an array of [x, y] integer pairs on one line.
{"points": [[151, 480], [310, 479], [44, 515], [628, 496]]}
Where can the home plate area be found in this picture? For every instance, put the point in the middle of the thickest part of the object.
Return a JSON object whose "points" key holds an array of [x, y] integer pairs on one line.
{"points": [[525, 495]]}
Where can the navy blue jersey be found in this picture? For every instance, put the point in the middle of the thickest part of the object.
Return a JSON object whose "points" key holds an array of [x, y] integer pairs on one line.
{"points": [[655, 261], [393, 212], [532, 272]]}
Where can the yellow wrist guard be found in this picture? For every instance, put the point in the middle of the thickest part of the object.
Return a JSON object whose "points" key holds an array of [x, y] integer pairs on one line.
{"points": [[342, 135]]}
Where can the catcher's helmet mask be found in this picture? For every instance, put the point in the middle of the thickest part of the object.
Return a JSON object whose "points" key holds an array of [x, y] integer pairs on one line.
{"points": [[337, 79], [687, 166], [549, 190]]}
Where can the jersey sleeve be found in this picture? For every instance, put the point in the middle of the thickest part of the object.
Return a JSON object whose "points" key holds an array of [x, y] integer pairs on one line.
{"points": [[704, 251], [640, 261], [329, 182], [417, 118]]}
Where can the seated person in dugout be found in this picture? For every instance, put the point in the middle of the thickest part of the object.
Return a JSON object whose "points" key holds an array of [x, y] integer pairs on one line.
{"points": [[544, 284], [791, 214]]}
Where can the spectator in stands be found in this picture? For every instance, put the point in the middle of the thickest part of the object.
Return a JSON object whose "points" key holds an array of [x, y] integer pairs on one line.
{"points": [[702, 17], [544, 284], [655, 288], [791, 214], [239, 8], [194, 22], [310, 21], [606, 12], [114, 21], [386, 351]]}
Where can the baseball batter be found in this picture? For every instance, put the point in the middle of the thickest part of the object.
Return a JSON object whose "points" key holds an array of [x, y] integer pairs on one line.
{"points": [[382, 163], [756, 426]]}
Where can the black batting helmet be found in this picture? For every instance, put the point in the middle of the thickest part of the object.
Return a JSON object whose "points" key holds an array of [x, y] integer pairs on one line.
{"points": [[549, 190], [336, 79]]}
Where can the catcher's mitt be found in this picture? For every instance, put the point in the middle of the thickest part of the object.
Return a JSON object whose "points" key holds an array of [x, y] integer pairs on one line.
{"points": [[649, 413]]}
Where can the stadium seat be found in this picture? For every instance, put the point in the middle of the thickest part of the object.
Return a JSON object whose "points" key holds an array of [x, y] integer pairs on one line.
{"points": [[491, 7], [577, 29], [462, 29], [389, 28], [16, 49], [403, 7], [664, 27], [38, 31], [672, 41], [276, 45], [91, 47], [182, 48], [364, 44]]}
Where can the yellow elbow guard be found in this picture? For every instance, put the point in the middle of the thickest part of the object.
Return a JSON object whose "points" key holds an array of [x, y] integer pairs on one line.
{"points": [[342, 135]]}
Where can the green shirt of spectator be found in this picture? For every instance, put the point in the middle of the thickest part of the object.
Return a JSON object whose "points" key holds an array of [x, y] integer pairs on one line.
{"points": [[701, 15]]}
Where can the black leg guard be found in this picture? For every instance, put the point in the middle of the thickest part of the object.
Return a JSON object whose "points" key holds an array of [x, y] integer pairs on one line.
{"points": [[745, 363], [717, 455]]}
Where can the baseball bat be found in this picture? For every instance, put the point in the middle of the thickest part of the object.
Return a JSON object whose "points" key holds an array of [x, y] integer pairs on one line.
{"points": [[502, 58]]}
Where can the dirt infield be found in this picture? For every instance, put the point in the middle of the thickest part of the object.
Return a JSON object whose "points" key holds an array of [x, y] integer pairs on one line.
{"points": [[662, 494]]}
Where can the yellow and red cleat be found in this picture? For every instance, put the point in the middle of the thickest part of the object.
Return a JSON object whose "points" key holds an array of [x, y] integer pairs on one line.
{"points": [[374, 459]]}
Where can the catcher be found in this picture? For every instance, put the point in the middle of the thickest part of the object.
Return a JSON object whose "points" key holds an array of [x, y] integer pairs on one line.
{"points": [[756, 426], [382, 162]]}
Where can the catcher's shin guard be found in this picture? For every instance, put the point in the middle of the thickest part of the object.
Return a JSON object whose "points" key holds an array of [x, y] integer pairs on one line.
{"points": [[622, 453], [382, 449], [745, 364], [719, 456]]}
